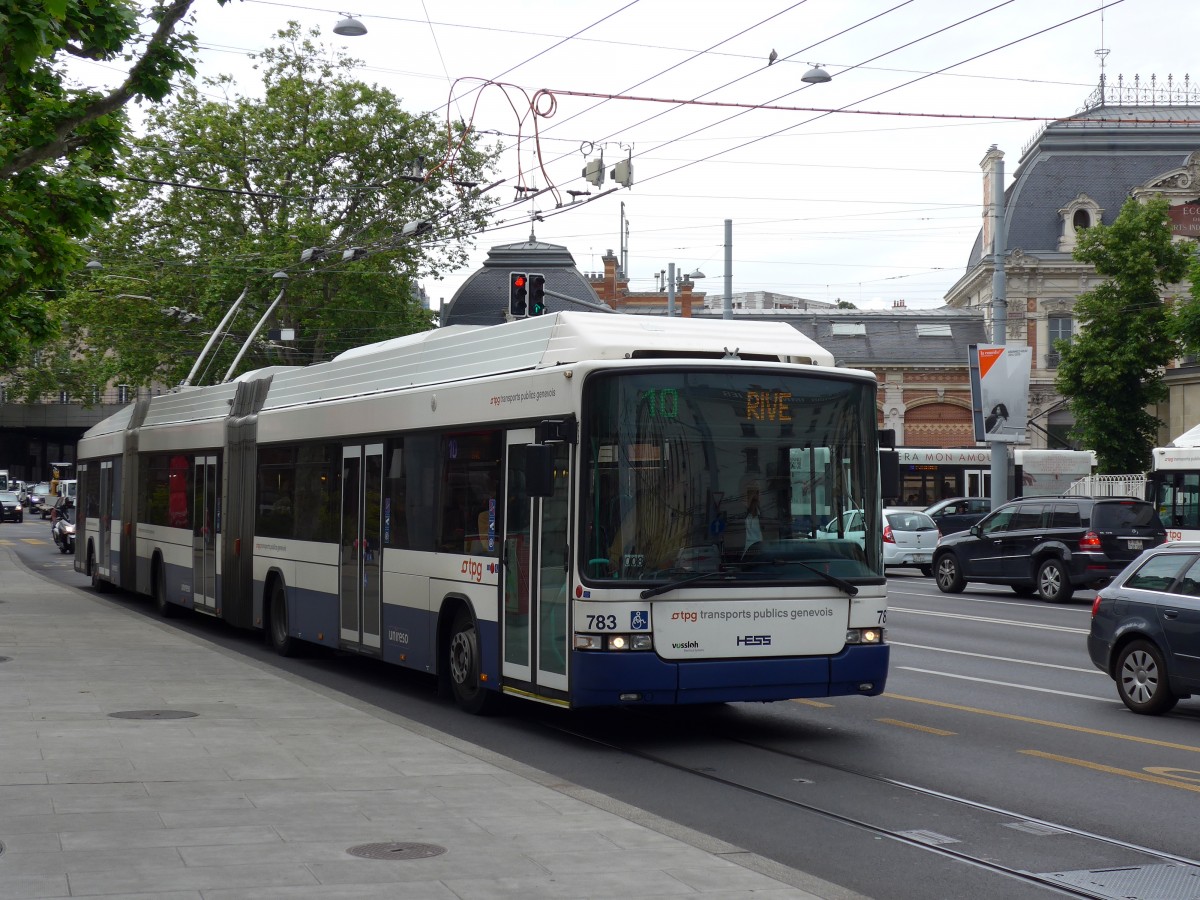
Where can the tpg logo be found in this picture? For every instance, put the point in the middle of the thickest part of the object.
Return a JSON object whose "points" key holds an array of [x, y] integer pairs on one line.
{"points": [[754, 640], [472, 569]]}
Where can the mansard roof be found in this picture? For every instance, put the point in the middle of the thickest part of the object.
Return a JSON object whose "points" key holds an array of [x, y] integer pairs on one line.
{"points": [[867, 339], [1104, 153], [483, 298]]}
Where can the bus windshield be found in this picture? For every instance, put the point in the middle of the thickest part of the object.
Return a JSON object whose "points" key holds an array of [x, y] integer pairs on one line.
{"points": [[759, 475]]}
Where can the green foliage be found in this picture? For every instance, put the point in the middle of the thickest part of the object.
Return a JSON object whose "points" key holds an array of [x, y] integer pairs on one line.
{"points": [[1112, 371], [220, 195], [58, 140]]}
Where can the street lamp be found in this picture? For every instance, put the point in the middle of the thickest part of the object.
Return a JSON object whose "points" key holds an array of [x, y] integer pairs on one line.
{"points": [[816, 75], [350, 27]]}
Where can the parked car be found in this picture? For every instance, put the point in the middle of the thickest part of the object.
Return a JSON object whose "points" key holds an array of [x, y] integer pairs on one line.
{"points": [[1145, 631], [10, 507], [909, 538], [958, 513], [1048, 546]]}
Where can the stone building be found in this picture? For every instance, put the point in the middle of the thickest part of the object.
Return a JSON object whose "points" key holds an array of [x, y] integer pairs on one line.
{"points": [[1131, 140]]}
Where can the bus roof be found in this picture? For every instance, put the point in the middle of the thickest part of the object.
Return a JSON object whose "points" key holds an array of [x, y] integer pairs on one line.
{"points": [[461, 352]]}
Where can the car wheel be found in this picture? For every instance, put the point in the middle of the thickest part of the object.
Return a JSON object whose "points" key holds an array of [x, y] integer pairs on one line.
{"points": [[1142, 679], [948, 574], [463, 664], [1053, 582], [927, 571]]}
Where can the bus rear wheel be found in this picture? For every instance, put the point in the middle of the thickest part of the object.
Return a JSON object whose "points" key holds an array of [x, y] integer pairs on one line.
{"points": [[277, 628], [99, 585], [165, 607], [463, 666]]}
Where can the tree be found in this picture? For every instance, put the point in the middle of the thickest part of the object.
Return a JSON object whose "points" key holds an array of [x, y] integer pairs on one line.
{"points": [[1112, 372], [58, 140], [222, 194]]}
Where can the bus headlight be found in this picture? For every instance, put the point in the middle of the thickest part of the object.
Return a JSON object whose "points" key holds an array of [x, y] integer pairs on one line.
{"points": [[866, 635], [641, 641]]}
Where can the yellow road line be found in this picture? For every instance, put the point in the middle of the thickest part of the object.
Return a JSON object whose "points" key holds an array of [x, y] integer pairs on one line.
{"points": [[1078, 728], [817, 703], [926, 728], [1113, 770]]}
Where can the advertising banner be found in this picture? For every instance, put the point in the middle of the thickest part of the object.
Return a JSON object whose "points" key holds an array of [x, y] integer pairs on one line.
{"points": [[1000, 391]]}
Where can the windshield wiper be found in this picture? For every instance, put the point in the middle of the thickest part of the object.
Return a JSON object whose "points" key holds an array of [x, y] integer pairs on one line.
{"points": [[839, 583], [671, 585]]}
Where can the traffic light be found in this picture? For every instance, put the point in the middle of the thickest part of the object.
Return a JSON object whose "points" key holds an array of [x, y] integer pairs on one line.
{"points": [[518, 289], [537, 294]]}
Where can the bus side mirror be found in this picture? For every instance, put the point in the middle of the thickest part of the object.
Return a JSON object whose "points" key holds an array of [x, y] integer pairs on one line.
{"points": [[539, 470]]}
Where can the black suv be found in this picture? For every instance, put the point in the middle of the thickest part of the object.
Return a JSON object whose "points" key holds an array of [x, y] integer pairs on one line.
{"points": [[1049, 546]]}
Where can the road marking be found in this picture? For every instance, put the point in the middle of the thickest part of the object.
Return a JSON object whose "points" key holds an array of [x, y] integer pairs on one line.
{"points": [[817, 703], [1007, 602], [1023, 687], [926, 728], [1031, 721], [946, 615], [1113, 770], [1024, 662]]}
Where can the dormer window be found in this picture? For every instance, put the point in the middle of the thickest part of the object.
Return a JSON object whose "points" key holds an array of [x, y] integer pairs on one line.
{"points": [[1081, 213]]}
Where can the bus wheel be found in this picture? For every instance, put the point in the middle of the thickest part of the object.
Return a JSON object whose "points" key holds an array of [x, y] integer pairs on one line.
{"points": [[463, 664], [165, 607], [277, 628], [98, 583]]}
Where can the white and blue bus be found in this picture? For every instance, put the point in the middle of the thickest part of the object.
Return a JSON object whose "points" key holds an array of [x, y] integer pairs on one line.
{"points": [[583, 509]]}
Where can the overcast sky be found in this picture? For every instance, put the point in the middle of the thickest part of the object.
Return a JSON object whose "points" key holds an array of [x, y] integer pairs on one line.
{"points": [[877, 202]]}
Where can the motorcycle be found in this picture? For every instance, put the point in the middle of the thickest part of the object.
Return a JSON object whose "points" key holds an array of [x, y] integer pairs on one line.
{"points": [[63, 532]]}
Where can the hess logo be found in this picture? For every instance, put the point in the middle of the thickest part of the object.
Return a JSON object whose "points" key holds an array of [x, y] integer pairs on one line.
{"points": [[472, 569], [754, 640]]}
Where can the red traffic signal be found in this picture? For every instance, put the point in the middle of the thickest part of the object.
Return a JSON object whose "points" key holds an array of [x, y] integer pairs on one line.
{"points": [[518, 287]]}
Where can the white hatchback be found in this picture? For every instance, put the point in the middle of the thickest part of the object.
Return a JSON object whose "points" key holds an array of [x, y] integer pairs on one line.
{"points": [[909, 537]]}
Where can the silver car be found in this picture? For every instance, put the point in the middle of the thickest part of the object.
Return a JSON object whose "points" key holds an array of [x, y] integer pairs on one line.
{"points": [[909, 537]]}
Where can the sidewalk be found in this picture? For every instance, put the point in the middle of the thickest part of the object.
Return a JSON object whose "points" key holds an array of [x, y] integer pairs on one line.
{"points": [[266, 788]]}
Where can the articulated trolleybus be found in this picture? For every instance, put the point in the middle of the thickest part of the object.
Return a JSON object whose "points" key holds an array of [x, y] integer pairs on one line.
{"points": [[583, 509]]}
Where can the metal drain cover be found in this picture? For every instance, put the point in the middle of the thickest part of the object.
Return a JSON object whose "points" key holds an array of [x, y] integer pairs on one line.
{"points": [[396, 851], [153, 714], [1167, 881]]}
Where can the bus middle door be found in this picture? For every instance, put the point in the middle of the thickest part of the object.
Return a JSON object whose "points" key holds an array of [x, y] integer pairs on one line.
{"points": [[534, 607], [205, 524], [361, 547]]}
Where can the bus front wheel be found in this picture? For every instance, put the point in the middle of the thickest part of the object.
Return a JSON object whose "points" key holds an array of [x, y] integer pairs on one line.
{"points": [[463, 665]]}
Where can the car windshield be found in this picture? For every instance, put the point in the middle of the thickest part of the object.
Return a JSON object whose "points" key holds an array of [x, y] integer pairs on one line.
{"points": [[763, 473]]}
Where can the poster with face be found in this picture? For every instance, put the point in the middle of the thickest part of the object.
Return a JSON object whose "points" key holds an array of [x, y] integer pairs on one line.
{"points": [[1000, 391]]}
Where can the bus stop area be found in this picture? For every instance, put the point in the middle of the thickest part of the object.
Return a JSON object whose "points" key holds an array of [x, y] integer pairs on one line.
{"points": [[137, 760]]}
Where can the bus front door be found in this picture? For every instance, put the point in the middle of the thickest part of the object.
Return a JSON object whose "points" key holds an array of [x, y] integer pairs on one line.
{"points": [[534, 609], [361, 590], [205, 524]]}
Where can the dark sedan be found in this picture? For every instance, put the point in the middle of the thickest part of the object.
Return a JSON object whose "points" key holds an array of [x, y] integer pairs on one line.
{"points": [[1145, 630], [10, 507], [958, 513]]}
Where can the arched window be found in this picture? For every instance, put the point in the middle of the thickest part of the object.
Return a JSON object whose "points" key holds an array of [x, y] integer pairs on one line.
{"points": [[1081, 213], [1082, 219]]}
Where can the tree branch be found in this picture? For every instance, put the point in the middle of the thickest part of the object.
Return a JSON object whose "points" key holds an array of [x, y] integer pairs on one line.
{"points": [[59, 145]]}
